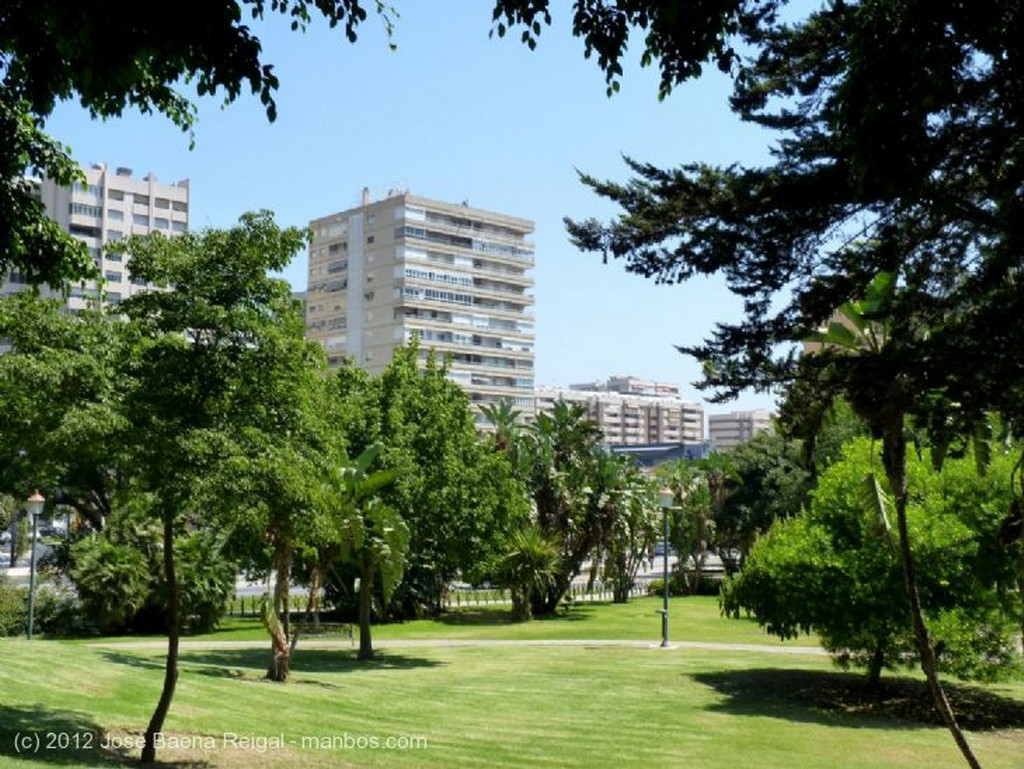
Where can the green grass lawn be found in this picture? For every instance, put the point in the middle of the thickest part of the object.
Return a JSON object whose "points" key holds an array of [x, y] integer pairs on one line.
{"points": [[571, 706], [691, 619]]}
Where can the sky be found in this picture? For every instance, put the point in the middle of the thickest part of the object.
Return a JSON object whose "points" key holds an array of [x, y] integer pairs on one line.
{"points": [[456, 115]]}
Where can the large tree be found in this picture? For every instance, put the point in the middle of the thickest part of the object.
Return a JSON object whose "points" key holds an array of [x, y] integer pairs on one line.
{"points": [[458, 499], [895, 182], [202, 346], [62, 429]]}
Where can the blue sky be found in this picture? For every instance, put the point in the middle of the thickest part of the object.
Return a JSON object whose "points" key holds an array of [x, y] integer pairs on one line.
{"points": [[455, 115]]}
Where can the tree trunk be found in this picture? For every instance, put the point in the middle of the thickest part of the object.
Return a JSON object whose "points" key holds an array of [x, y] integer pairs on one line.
{"points": [[280, 631], [875, 668], [546, 602], [313, 605], [366, 574], [156, 723], [894, 457], [521, 607]]}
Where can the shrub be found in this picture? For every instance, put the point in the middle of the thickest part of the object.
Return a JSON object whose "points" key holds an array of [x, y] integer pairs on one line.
{"points": [[112, 581], [13, 607], [57, 612]]}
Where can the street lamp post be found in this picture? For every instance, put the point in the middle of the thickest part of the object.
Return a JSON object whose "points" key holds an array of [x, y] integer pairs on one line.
{"points": [[33, 506], [665, 499]]}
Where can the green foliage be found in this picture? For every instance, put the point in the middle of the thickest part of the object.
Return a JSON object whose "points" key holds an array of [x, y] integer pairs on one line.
{"points": [[110, 62], [701, 489], [118, 577], [459, 498], [207, 580], [633, 523], [772, 483], [679, 38], [13, 607], [678, 585], [57, 611], [62, 382], [590, 502], [833, 569], [528, 566], [112, 580]]}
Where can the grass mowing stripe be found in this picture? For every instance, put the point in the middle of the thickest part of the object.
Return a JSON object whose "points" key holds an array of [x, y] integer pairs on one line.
{"points": [[509, 706]]}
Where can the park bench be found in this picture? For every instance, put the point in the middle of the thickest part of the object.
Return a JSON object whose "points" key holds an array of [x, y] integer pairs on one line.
{"points": [[304, 629]]}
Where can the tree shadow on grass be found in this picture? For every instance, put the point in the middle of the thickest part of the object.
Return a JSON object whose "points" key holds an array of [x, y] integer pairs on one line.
{"points": [[62, 737], [823, 696], [252, 663], [52, 736]]}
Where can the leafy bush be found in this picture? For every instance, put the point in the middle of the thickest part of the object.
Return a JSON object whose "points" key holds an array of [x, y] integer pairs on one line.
{"points": [[679, 585], [13, 608], [118, 576], [207, 582], [57, 612], [834, 569], [112, 580]]}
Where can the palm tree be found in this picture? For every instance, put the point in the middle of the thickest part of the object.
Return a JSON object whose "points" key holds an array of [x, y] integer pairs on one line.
{"points": [[372, 533], [528, 567]]}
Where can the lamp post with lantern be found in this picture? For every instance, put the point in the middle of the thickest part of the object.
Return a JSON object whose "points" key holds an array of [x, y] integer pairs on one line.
{"points": [[33, 506], [665, 499]]}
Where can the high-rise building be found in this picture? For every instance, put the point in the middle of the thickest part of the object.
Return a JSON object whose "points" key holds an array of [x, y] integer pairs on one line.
{"points": [[108, 206], [453, 276], [729, 430], [630, 419]]}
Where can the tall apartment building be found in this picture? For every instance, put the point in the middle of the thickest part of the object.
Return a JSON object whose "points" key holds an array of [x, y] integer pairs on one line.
{"points": [[108, 206], [631, 419], [631, 385], [453, 276], [729, 430]]}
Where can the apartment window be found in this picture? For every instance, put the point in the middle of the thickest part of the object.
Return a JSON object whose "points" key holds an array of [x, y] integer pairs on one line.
{"points": [[179, 226], [114, 257], [142, 200], [115, 194], [114, 215], [161, 223], [179, 206], [141, 219], [368, 296], [89, 189], [162, 203], [113, 297], [85, 210], [114, 234], [371, 219], [138, 282], [370, 238], [336, 285], [113, 276]]}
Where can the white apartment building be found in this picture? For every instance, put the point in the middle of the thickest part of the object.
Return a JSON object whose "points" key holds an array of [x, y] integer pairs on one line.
{"points": [[729, 430], [631, 385], [631, 419], [453, 276], [108, 206]]}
